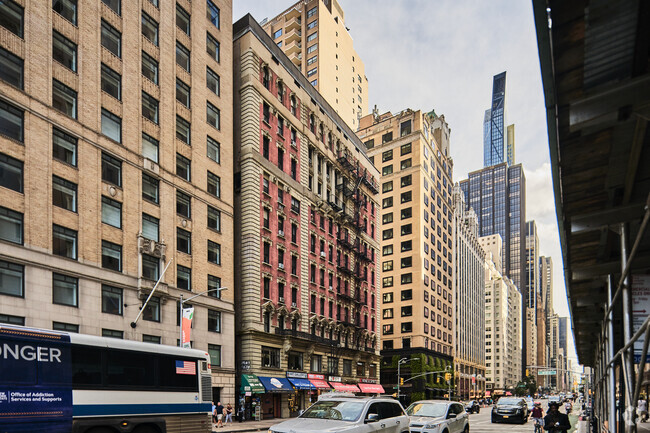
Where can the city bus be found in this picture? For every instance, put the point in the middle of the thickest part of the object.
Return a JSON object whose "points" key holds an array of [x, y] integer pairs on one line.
{"points": [[54, 381]]}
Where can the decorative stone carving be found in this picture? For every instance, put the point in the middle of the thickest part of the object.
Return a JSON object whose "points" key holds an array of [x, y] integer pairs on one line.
{"points": [[151, 247]]}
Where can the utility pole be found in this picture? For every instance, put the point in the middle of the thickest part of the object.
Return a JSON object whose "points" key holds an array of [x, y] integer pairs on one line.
{"points": [[399, 379]]}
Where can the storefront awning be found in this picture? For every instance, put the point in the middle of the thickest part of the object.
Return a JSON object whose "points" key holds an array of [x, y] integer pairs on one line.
{"points": [[346, 387], [320, 384], [276, 384], [301, 383], [250, 383], [371, 388], [488, 393]]}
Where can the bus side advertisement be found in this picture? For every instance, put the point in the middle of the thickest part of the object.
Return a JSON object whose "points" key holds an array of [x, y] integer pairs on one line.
{"points": [[35, 381]]}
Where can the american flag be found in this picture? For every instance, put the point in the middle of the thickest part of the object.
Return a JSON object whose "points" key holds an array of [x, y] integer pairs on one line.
{"points": [[186, 367]]}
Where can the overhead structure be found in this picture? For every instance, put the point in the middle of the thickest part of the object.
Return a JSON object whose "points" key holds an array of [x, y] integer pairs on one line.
{"points": [[594, 57]]}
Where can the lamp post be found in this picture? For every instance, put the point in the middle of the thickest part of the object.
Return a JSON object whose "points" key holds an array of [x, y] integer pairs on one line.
{"points": [[449, 368], [399, 364], [218, 290]]}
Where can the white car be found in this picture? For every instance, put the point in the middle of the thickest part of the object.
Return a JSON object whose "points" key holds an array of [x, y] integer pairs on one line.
{"points": [[349, 414], [438, 416]]}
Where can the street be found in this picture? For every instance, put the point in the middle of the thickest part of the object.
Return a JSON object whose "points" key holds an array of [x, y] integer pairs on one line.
{"points": [[482, 423]]}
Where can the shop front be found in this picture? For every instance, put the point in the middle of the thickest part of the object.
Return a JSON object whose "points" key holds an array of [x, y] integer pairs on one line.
{"points": [[370, 386], [277, 390], [335, 382], [299, 400], [320, 384], [250, 394]]}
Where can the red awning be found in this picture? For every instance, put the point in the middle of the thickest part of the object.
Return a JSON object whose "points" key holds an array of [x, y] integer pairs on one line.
{"points": [[371, 388], [320, 384], [488, 393], [347, 387]]}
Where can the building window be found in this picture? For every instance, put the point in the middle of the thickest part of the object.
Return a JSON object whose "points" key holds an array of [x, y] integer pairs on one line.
{"points": [[213, 284], [150, 29], [111, 170], [405, 129], [387, 137], [407, 180], [213, 13], [150, 107], [67, 9], [312, 24], [183, 167], [64, 242], [214, 253], [212, 47], [152, 311], [183, 205], [111, 82], [183, 93], [11, 124], [150, 147], [213, 81], [182, 56], [111, 212], [11, 226], [150, 227], [12, 17], [11, 173], [183, 241], [112, 300], [150, 267], [12, 279], [111, 256], [64, 51], [64, 147], [214, 321], [271, 357], [387, 170], [214, 184], [183, 277], [387, 186], [65, 290], [154, 339], [112, 333], [150, 188], [387, 202], [114, 5], [406, 197], [64, 99], [182, 130], [111, 39], [213, 116], [64, 194], [405, 149], [387, 282], [214, 218], [111, 126], [277, 34], [214, 150], [149, 68], [214, 351], [12, 320], [316, 363], [65, 327], [182, 20]]}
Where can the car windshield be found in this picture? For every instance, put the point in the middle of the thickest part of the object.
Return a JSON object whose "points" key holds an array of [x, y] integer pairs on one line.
{"points": [[512, 401], [335, 410], [434, 410]]}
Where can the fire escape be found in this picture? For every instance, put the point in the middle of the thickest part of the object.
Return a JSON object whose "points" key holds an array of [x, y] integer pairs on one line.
{"points": [[352, 220]]}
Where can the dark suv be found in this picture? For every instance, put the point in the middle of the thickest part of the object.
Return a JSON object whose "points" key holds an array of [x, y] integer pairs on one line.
{"points": [[510, 409]]}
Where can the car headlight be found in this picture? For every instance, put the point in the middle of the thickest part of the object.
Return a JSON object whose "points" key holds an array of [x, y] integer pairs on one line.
{"points": [[433, 425]]}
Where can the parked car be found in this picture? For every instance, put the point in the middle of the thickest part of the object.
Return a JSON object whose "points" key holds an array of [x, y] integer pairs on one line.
{"points": [[510, 409], [473, 407], [438, 416], [336, 413]]}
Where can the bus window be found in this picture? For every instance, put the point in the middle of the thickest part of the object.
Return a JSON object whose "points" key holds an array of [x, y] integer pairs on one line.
{"points": [[170, 380], [130, 369], [86, 365]]}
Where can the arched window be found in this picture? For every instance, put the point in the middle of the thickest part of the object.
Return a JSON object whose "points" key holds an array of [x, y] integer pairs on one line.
{"points": [[321, 133]]}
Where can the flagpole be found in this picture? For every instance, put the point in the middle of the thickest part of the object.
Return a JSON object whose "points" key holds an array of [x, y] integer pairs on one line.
{"points": [[180, 314], [134, 323]]}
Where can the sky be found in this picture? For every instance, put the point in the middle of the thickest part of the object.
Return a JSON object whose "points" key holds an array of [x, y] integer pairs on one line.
{"points": [[442, 55]]}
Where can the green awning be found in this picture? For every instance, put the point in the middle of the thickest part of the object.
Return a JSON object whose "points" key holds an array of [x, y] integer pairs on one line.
{"points": [[250, 383]]}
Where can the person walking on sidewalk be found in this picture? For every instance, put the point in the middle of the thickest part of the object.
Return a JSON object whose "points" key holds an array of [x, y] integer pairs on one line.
{"points": [[228, 413], [555, 421], [220, 410]]}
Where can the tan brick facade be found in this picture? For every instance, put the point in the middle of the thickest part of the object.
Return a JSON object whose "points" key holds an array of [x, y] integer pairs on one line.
{"points": [[35, 254]]}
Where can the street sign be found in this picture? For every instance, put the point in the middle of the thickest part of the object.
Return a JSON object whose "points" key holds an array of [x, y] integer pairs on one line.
{"points": [[547, 372], [640, 310]]}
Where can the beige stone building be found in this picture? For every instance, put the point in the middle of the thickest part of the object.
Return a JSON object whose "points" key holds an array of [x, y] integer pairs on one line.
{"points": [[411, 150], [115, 162], [503, 339], [314, 36]]}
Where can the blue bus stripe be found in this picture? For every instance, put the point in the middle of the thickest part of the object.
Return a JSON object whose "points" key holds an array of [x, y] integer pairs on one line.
{"points": [[139, 409]]}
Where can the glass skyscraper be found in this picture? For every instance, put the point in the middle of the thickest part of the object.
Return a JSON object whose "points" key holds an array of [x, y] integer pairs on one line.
{"points": [[497, 144]]}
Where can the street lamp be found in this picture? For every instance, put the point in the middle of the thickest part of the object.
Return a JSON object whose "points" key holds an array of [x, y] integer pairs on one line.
{"points": [[218, 290], [449, 368], [399, 364]]}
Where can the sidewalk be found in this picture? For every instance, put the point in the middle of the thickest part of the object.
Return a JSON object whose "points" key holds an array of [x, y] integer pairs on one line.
{"points": [[247, 426]]}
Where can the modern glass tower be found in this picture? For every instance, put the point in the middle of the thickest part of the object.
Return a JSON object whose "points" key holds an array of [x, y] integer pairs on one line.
{"points": [[497, 144]]}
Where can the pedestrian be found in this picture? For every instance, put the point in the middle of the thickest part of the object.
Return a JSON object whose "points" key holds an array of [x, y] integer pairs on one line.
{"points": [[214, 413], [219, 411], [228, 413], [642, 409], [241, 412], [555, 421]]}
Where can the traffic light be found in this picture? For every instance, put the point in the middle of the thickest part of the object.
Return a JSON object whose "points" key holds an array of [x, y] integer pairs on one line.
{"points": [[401, 381], [447, 377], [527, 372]]}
